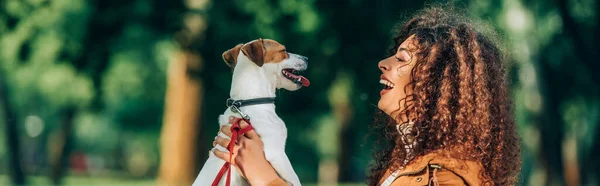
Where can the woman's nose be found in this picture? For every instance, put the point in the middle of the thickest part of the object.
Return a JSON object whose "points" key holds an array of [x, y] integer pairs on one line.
{"points": [[383, 66]]}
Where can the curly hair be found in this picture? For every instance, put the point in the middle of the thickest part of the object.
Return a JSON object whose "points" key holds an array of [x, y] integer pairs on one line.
{"points": [[459, 99]]}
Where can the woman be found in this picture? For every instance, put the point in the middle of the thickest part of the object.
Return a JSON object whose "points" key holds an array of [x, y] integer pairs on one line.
{"points": [[445, 111]]}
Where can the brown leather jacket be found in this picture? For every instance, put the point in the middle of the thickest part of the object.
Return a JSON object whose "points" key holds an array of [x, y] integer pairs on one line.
{"points": [[434, 169]]}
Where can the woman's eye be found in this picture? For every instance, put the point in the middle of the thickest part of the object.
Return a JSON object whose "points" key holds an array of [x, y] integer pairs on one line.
{"points": [[398, 59], [402, 55]]}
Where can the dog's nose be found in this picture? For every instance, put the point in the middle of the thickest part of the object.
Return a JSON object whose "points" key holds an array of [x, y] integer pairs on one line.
{"points": [[304, 58]]}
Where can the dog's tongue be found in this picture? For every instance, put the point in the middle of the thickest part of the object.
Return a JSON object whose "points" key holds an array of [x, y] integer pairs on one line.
{"points": [[302, 79], [305, 81]]}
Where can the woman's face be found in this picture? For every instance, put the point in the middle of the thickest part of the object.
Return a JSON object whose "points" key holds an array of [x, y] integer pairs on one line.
{"points": [[396, 75]]}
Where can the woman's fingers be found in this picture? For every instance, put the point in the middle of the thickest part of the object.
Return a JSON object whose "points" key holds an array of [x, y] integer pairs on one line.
{"points": [[232, 119], [221, 154], [226, 129], [224, 155], [243, 124], [250, 134], [223, 142]]}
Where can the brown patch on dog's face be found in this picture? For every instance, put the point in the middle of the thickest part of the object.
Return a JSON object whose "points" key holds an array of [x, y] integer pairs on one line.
{"points": [[265, 51], [230, 56], [275, 52]]}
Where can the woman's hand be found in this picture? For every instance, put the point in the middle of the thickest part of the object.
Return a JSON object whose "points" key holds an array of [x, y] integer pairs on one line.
{"points": [[248, 155]]}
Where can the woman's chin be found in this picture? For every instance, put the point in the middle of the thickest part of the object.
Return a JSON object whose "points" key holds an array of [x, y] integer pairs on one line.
{"points": [[382, 108], [380, 105], [386, 107]]}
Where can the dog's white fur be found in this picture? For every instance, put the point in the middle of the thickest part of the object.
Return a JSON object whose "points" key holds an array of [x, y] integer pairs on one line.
{"points": [[251, 81]]}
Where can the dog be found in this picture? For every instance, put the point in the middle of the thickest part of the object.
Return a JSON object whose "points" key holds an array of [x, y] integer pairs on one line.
{"points": [[260, 67]]}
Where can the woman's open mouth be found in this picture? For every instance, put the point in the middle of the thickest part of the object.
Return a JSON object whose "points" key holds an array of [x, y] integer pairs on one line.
{"points": [[293, 76], [387, 86]]}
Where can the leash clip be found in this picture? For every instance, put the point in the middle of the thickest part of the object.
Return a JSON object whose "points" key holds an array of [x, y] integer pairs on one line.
{"points": [[236, 109]]}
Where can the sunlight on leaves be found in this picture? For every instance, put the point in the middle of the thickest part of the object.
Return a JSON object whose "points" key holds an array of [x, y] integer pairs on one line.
{"points": [[164, 51], [95, 132], [583, 10], [327, 138], [46, 47], [581, 118], [16, 8], [124, 80], [60, 85]]}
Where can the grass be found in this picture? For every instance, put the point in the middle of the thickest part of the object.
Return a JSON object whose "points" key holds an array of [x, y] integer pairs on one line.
{"points": [[106, 181], [81, 180]]}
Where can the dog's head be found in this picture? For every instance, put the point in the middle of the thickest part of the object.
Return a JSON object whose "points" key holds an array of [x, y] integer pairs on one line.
{"points": [[273, 60]]}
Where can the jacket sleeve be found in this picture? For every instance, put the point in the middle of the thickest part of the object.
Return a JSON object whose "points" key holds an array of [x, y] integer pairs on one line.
{"points": [[278, 182]]}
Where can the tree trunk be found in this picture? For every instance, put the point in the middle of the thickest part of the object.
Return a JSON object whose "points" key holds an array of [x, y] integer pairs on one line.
{"points": [[593, 164], [64, 143], [586, 54], [183, 102], [181, 121], [17, 176], [335, 167], [551, 127], [346, 142]]}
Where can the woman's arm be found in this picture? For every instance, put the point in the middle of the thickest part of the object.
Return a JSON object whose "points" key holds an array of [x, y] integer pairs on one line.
{"points": [[249, 157]]}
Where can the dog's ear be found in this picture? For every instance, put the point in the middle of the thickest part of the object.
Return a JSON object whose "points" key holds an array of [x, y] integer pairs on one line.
{"points": [[255, 51], [230, 56]]}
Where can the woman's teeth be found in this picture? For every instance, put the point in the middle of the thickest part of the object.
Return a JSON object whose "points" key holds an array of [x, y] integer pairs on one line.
{"points": [[387, 83]]}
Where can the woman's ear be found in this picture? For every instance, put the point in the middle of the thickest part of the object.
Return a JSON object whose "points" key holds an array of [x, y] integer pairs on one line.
{"points": [[255, 51], [230, 56]]}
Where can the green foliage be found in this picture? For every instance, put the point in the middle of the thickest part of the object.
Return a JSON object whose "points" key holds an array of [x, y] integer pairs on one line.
{"points": [[39, 78], [550, 44], [106, 59]]}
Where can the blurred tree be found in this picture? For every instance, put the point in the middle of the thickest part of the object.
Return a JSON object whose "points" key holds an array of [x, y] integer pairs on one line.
{"points": [[551, 45], [364, 35], [41, 82], [65, 145], [68, 61], [183, 102], [17, 177], [580, 26]]}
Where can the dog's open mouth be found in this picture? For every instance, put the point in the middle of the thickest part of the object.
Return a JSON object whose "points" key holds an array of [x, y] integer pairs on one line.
{"points": [[293, 76]]}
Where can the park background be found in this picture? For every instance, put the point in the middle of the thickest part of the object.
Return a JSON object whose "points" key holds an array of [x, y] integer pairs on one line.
{"points": [[127, 92]]}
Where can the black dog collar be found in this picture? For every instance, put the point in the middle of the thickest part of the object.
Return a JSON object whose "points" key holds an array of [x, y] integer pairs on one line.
{"points": [[235, 105], [248, 102]]}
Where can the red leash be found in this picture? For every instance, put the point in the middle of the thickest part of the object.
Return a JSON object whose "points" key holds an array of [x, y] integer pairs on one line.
{"points": [[236, 131]]}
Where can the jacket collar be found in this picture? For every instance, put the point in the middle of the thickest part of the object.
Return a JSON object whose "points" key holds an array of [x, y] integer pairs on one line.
{"points": [[469, 171]]}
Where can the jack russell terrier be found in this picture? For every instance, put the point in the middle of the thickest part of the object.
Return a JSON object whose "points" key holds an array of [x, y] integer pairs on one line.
{"points": [[262, 66]]}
